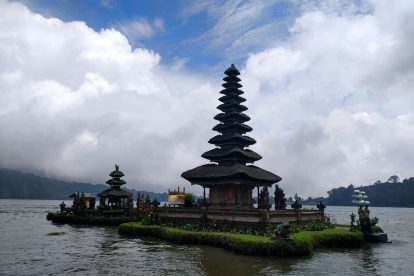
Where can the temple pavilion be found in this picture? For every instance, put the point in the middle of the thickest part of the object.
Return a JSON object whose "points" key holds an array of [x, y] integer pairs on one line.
{"points": [[229, 178], [115, 197]]}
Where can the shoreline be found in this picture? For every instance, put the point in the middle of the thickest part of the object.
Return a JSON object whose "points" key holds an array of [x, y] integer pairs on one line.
{"points": [[86, 220], [303, 243]]}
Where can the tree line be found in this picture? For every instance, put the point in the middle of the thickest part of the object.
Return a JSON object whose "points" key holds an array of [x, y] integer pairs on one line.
{"points": [[19, 185], [391, 193]]}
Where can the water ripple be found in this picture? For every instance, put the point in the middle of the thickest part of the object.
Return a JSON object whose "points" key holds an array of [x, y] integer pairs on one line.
{"points": [[26, 249]]}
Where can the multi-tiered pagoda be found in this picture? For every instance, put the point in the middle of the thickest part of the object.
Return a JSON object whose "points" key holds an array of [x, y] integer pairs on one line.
{"points": [[115, 197], [230, 180]]}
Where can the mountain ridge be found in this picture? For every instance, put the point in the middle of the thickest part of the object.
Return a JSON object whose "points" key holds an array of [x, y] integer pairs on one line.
{"points": [[18, 185]]}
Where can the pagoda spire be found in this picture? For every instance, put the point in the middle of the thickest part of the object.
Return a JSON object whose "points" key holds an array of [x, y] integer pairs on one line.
{"points": [[116, 182], [231, 142], [229, 178]]}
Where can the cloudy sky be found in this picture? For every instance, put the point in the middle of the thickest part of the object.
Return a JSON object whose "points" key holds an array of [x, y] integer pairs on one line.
{"points": [[87, 84]]}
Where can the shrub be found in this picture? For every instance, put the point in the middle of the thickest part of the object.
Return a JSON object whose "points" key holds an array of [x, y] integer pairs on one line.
{"points": [[376, 229], [189, 200], [317, 225], [148, 219]]}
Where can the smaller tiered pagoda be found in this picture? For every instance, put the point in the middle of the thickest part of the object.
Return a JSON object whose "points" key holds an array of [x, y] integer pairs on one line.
{"points": [[115, 197]]}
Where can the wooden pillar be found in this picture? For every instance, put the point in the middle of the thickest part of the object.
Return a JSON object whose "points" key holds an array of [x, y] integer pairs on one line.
{"points": [[236, 195], [204, 195]]}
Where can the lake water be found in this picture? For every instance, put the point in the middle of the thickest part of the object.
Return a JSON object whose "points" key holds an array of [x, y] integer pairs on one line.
{"points": [[27, 249]]}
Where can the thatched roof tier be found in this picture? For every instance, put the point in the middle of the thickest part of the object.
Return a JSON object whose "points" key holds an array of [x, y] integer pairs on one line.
{"points": [[231, 79], [115, 181], [232, 139], [233, 98], [232, 127], [233, 116], [232, 71], [232, 85], [232, 107], [231, 91], [230, 154], [116, 173], [213, 173], [115, 193]]}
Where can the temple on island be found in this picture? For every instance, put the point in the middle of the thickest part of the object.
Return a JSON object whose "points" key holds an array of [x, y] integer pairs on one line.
{"points": [[115, 197], [230, 180]]}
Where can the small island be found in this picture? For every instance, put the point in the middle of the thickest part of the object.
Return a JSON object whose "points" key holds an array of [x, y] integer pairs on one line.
{"points": [[227, 215]]}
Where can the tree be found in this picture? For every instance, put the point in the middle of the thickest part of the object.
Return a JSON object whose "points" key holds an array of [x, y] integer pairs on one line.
{"points": [[189, 200], [394, 179], [280, 199], [147, 201], [264, 199]]}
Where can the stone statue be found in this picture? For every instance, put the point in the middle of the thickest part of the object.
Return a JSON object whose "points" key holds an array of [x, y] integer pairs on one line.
{"points": [[364, 220], [62, 206], [352, 221], [367, 219], [155, 203], [282, 231]]}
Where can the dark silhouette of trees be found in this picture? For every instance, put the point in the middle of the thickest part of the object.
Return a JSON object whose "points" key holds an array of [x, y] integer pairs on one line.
{"points": [[280, 199], [264, 202], [389, 193], [393, 179]]}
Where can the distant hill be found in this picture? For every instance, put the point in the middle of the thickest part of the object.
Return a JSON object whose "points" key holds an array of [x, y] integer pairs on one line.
{"points": [[17, 185], [391, 193]]}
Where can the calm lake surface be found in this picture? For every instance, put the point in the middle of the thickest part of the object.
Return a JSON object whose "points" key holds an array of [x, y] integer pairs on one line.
{"points": [[27, 249]]}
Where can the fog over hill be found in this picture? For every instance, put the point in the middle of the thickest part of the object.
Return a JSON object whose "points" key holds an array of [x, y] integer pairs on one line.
{"points": [[17, 185]]}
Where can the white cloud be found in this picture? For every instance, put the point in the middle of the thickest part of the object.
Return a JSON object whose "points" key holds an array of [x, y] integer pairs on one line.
{"points": [[141, 28], [338, 95], [330, 104], [107, 3], [76, 101], [234, 23]]}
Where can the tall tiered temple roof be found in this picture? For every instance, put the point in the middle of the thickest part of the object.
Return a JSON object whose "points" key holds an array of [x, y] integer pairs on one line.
{"points": [[230, 153]]}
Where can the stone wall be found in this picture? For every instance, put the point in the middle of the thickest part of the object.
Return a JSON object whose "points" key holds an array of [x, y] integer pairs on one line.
{"points": [[253, 217]]}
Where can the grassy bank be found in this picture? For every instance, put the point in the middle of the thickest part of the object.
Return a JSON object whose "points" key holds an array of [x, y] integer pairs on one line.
{"points": [[330, 238], [303, 243], [87, 220]]}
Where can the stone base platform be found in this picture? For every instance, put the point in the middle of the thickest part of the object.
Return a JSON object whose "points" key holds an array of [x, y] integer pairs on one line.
{"points": [[254, 217], [376, 237]]}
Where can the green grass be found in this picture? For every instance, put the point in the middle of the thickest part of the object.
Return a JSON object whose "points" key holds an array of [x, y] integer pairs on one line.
{"points": [[330, 238], [302, 243]]}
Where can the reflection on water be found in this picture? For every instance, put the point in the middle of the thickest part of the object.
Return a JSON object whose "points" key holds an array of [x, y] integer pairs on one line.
{"points": [[27, 249]]}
